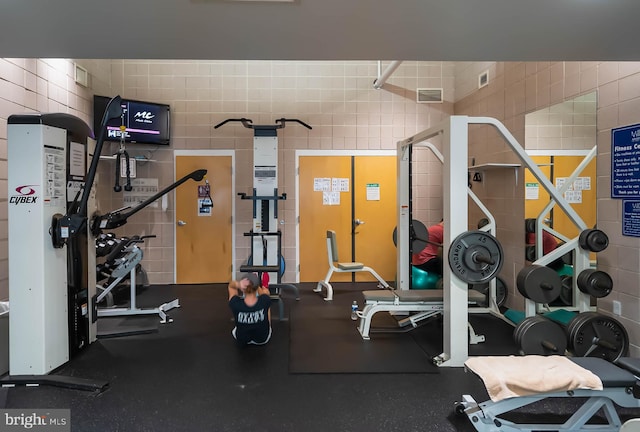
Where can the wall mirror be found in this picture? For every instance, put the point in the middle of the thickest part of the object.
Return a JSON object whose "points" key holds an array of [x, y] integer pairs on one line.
{"points": [[558, 139]]}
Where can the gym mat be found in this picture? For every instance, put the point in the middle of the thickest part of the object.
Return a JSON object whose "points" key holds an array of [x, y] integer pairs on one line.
{"points": [[324, 339], [110, 327]]}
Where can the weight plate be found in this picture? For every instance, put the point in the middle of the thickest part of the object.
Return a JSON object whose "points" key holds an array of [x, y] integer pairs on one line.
{"points": [[539, 283], [595, 282], [501, 292], [596, 335], [482, 222], [566, 293], [530, 225], [593, 240], [418, 236], [530, 253], [475, 256], [539, 336]]}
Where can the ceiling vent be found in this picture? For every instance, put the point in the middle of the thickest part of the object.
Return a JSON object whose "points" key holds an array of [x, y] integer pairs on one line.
{"points": [[429, 95]]}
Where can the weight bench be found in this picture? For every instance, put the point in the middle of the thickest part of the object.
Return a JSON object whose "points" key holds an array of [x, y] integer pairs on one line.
{"points": [[425, 304], [335, 266], [598, 382]]}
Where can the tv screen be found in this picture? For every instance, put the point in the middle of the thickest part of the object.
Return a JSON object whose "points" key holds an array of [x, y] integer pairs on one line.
{"points": [[145, 122]]}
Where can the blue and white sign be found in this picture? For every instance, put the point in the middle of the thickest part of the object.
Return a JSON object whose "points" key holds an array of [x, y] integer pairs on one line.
{"points": [[631, 218], [625, 162]]}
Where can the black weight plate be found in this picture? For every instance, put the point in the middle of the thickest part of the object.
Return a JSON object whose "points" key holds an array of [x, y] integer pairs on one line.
{"points": [[593, 240], [540, 336], [539, 283], [475, 256], [530, 253], [595, 282], [530, 225], [418, 236], [598, 335], [482, 222], [566, 293], [501, 292], [575, 324]]}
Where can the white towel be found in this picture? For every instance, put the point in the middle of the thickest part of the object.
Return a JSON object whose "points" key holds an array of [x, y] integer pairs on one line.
{"points": [[512, 376]]}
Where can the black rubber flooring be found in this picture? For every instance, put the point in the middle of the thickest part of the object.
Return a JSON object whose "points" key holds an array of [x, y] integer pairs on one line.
{"points": [[190, 376]]}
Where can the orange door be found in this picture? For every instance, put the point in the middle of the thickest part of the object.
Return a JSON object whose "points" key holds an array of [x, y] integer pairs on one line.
{"points": [[204, 248], [359, 188], [375, 188]]}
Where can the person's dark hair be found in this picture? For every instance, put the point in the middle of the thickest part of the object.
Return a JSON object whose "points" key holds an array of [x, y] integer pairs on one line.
{"points": [[254, 282]]}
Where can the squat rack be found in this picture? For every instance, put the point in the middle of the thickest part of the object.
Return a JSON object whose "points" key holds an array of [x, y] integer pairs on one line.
{"points": [[454, 133]]}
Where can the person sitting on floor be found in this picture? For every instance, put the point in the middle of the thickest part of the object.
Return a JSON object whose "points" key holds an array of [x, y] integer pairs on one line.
{"points": [[429, 259], [250, 303]]}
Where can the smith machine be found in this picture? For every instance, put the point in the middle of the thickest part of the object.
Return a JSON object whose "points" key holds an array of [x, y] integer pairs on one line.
{"points": [[473, 256], [52, 280], [266, 238]]}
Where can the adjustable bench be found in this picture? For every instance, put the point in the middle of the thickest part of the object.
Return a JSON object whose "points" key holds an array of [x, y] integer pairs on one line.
{"points": [[615, 384], [425, 304]]}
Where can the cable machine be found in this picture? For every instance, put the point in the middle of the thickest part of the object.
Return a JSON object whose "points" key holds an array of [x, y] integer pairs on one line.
{"points": [[266, 238]]}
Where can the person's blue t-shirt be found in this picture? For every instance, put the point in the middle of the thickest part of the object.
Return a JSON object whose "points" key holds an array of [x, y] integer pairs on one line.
{"points": [[252, 322]]}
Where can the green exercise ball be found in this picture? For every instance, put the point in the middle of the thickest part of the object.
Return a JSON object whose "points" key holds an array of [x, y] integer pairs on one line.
{"points": [[421, 279]]}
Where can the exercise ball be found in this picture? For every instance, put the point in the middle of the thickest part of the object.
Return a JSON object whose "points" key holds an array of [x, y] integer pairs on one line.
{"points": [[421, 279]]}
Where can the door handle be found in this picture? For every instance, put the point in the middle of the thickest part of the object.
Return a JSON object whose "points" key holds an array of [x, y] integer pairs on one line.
{"points": [[181, 223], [358, 222]]}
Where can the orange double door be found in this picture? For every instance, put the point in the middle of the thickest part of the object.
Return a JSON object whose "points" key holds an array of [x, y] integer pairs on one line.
{"points": [[355, 196], [358, 188]]}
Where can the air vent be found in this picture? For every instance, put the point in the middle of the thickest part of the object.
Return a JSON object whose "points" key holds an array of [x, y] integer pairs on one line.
{"points": [[81, 76], [483, 79], [429, 95]]}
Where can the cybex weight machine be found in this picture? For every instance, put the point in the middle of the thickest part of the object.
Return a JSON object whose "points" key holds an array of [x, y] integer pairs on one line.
{"points": [[52, 288]]}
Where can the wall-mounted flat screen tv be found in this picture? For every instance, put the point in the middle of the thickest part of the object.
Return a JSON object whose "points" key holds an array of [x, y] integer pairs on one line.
{"points": [[145, 122]]}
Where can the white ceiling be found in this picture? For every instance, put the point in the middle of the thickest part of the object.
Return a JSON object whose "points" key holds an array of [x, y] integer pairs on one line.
{"points": [[436, 30]]}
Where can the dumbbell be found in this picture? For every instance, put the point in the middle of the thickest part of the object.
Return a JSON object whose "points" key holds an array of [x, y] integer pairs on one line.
{"points": [[593, 240]]}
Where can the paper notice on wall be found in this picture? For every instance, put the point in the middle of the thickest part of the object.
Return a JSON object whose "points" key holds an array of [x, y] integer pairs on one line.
{"points": [[532, 191], [573, 196], [330, 198], [579, 184], [586, 183], [373, 191], [560, 181], [204, 207], [340, 184], [142, 190], [321, 184], [76, 160]]}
